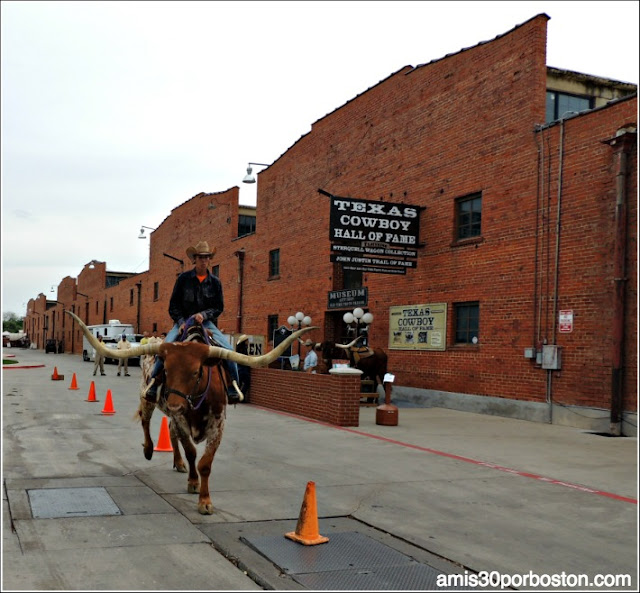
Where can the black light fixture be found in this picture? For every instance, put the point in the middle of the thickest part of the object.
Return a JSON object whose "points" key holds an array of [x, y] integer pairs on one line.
{"points": [[249, 178]]}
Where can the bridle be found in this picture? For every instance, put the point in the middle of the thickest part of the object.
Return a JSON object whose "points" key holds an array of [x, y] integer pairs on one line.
{"points": [[192, 397], [195, 399]]}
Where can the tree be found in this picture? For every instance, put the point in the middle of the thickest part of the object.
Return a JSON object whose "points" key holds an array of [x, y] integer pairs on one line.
{"points": [[11, 322]]}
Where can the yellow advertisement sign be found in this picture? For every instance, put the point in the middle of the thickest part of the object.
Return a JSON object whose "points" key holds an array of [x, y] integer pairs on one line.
{"points": [[418, 327]]}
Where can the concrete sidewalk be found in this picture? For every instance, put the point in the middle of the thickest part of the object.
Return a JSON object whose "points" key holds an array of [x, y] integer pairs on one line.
{"points": [[451, 491]]}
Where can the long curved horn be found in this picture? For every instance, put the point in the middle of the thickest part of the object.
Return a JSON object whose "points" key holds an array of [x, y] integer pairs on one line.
{"points": [[345, 346], [257, 361], [140, 350]]}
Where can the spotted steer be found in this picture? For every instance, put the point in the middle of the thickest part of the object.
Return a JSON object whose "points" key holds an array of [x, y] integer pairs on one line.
{"points": [[195, 399]]}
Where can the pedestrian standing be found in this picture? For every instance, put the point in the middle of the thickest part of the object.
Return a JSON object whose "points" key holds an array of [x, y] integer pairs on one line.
{"points": [[99, 360], [124, 344]]}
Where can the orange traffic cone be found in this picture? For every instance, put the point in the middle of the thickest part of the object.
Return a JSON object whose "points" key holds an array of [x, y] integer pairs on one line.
{"points": [[92, 393], [307, 529], [164, 440], [55, 376], [108, 405], [74, 382]]}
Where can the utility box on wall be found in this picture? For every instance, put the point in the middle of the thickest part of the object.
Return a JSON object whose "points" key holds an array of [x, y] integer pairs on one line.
{"points": [[552, 357]]}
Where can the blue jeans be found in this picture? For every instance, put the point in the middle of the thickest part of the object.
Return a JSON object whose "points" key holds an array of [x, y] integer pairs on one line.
{"points": [[219, 337]]}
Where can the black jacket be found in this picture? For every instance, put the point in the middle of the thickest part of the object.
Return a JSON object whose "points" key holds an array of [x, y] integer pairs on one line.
{"points": [[191, 296]]}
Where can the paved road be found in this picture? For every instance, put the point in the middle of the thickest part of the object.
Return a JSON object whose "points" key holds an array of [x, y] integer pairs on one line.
{"points": [[452, 490]]}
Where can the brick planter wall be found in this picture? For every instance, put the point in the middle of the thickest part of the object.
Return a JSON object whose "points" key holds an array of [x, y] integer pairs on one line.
{"points": [[334, 399]]}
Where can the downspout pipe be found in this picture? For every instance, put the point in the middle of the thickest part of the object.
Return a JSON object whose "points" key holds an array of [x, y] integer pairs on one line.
{"points": [[240, 256], [138, 306], [556, 264], [537, 298], [73, 330], [556, 271], [622, 145]]}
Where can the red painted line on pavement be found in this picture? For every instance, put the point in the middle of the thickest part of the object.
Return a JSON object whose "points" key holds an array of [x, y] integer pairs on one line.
{"points": [[487, 464], [14, 366]]}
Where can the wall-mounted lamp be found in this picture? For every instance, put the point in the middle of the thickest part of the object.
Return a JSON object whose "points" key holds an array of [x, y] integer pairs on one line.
{"points": [[142, 235], [249, 178], [212, 205], [53, 289], [82, 294]]}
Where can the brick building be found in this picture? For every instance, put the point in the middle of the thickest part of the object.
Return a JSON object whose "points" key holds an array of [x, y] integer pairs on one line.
{"points": [[523, 278]]}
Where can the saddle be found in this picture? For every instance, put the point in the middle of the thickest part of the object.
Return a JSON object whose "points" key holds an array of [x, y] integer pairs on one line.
{"points": [[196, 332], [192, 332], [360, 352]]}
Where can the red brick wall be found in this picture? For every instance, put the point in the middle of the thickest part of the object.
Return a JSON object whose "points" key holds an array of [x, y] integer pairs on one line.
{"points": [[190, 222], [425, 136], [586, 273], [334, 399]]}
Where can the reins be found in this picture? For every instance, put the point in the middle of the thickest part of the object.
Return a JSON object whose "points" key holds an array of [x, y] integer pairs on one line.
{"points": [[190, 397]]}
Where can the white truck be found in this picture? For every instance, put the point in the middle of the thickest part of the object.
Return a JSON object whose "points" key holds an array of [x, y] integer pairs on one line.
{"points": [[110, 333]]}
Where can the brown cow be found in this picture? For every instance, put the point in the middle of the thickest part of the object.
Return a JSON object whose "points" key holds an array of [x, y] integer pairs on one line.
{"points": [[371, 361], [195, 399]]}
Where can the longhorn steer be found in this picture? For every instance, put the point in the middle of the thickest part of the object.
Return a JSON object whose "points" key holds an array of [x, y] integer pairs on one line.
{"points": [[371, 361], [195, 399], [329, 354]]}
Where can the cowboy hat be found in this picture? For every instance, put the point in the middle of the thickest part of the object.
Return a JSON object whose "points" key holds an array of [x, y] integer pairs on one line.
{"points": [[309, 343], [201, 248]]}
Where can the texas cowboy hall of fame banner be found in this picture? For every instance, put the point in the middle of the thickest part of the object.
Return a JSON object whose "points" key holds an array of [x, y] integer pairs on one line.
{"points": [[369, 236], [418, 327]]}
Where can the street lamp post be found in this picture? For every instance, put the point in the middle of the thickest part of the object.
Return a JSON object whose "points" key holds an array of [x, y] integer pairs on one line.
{"points": [[298, 321], [362, 322]]}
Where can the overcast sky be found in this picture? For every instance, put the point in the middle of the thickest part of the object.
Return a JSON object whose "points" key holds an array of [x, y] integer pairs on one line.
{"points": [[114, 113]]}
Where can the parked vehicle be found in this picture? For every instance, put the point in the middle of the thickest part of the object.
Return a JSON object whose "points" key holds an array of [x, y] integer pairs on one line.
{"points": [[113, 344], [133, 338], [51, 346], [110, 333]]}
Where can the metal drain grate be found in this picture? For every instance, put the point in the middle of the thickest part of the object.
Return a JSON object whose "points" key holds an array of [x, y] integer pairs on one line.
{"points": [[417, 577], [350, 550], [54, 503], [348, 561]]}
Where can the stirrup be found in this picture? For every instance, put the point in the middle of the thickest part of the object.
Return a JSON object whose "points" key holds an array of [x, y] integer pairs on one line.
{"points": [[237, 395], [152, 387]]}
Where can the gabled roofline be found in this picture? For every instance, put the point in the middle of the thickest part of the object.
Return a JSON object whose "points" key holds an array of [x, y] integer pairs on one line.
{"points": [[465, 49], [406, 70]]}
